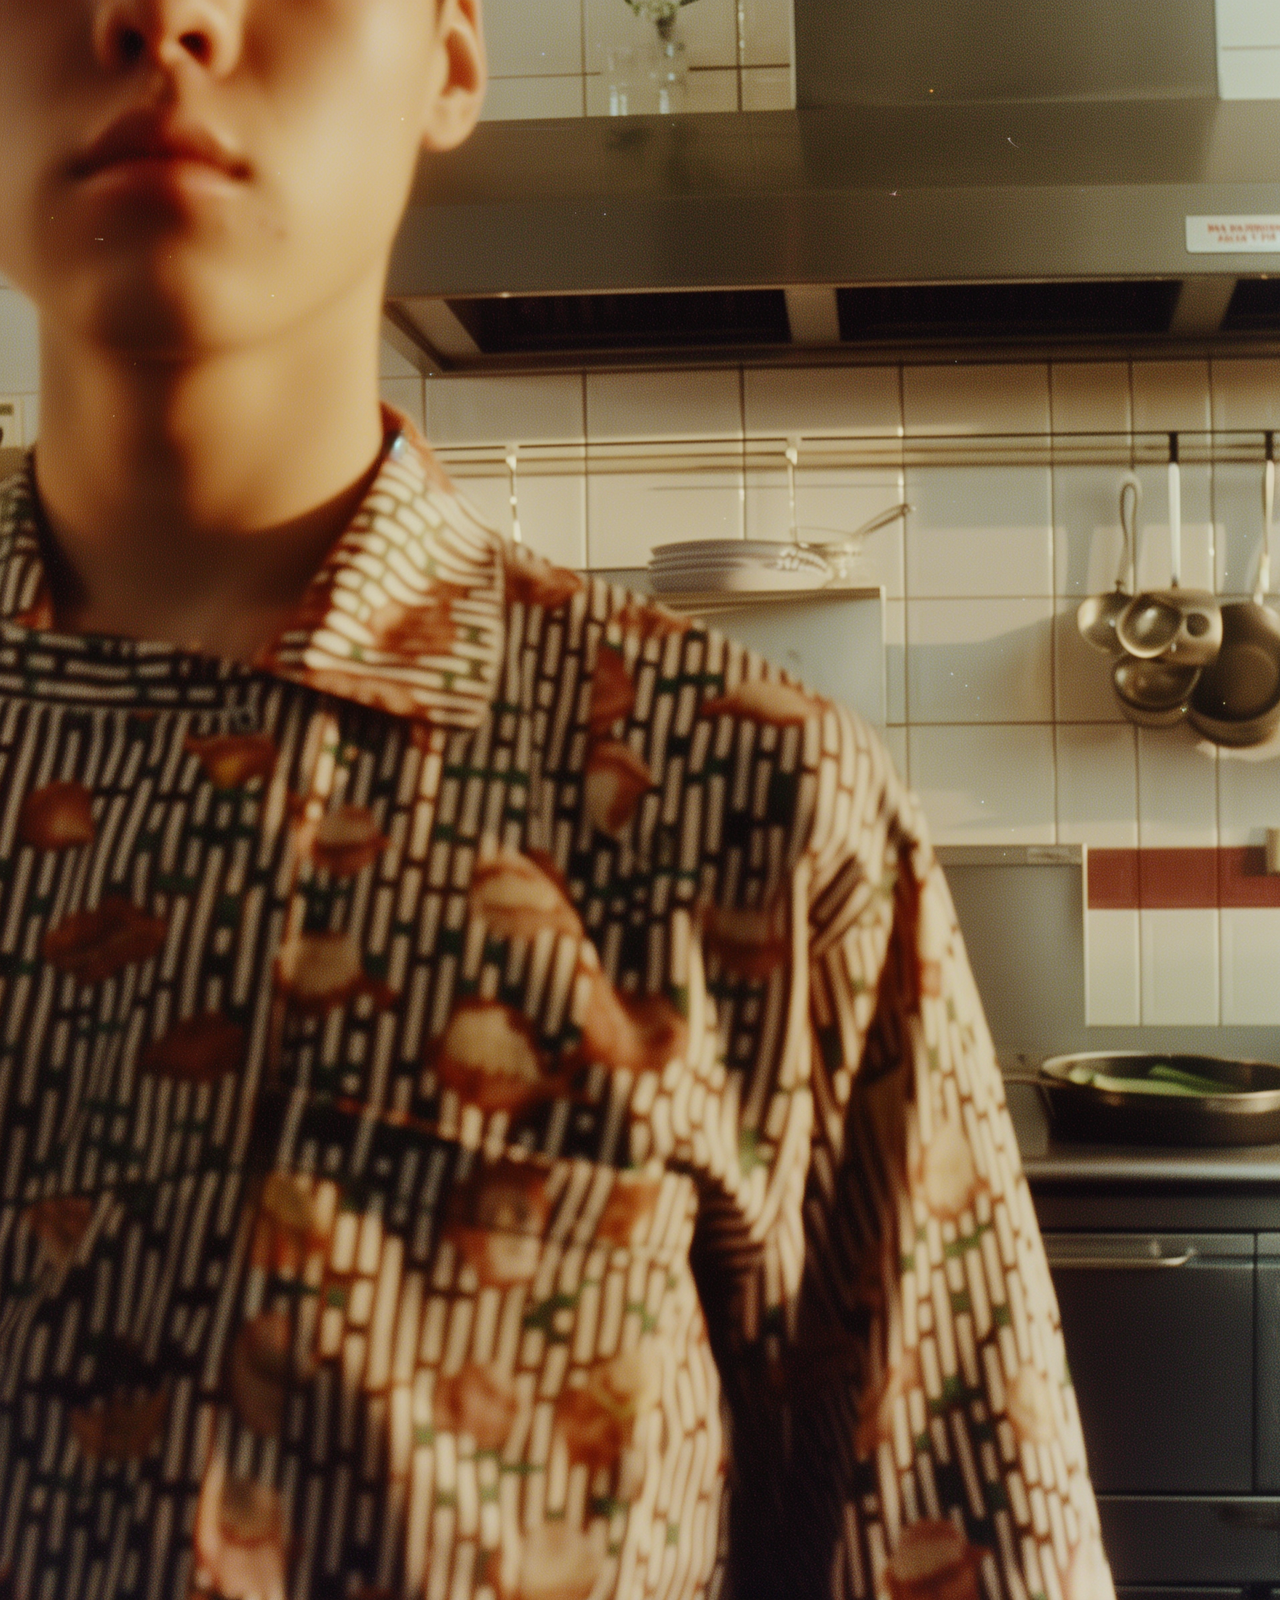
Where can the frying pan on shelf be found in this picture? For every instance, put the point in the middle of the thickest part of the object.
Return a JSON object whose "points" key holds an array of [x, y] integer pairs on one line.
{"points": [[1141, 1097]]}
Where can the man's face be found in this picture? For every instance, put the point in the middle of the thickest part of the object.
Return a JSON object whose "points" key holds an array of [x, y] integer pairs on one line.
{"points": [[326, 102]]}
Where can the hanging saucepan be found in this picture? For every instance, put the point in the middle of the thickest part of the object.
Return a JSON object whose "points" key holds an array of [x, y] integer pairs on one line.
{"points": [[1153, 694], [1136, 1097], [1096, 617], [1237, 700], [1173, 624]]}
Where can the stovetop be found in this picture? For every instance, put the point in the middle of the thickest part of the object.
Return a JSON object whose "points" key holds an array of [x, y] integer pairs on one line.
{"points": [[1047, 1160]]}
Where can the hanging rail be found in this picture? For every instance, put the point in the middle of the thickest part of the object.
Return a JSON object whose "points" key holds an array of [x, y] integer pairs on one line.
{"points": [[766, 456]]}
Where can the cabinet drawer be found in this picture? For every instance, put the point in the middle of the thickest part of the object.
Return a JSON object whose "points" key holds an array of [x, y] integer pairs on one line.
{"points": [[1173, 1540], [1160, 1340], [1141, 1592]]}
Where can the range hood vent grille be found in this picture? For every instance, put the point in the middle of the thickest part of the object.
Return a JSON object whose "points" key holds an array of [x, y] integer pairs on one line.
{"points": [[1255, 307], [600, 323], [685, 325], [1002, 313]]}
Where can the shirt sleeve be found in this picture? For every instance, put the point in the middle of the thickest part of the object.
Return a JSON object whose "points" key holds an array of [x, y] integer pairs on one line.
{"points": [[903, 1422]]}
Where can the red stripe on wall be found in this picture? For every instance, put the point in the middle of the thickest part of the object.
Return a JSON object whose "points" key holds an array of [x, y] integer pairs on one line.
{"points": [[1113, 880], [1180, 880]]}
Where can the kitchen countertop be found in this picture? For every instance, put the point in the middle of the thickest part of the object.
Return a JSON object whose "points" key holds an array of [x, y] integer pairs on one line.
{"points": [[1076, 1185]]}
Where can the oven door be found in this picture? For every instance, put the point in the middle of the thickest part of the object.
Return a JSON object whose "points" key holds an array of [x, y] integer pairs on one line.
{"points": [[1160, 1336]]}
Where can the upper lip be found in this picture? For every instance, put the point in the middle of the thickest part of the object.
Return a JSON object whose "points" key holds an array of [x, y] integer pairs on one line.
{"points": [[156, 134]]}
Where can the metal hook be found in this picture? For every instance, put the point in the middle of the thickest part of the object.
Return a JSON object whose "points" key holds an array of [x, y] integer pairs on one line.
{"points": [[793, 461], [517, 537]]}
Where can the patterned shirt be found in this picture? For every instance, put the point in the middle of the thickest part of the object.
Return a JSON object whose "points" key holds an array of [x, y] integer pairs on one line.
{"points": [[493, 1104]]}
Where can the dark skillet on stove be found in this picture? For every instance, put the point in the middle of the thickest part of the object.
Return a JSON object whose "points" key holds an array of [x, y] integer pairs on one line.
{"points": [[1246, 1111]]}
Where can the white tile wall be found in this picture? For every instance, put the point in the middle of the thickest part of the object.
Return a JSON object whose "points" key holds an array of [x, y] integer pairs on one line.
{"points": [[1113, 956], [552, 59], [1180, 968], [1248, 49], [999, 715], [1177, 790], [985, 784], [979, 531], [1251, 964]]}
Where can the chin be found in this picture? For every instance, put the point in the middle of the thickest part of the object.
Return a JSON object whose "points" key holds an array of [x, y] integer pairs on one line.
{"points": [[170, 314]]}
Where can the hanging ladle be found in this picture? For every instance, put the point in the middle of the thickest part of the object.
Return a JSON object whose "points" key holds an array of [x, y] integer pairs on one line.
{"points": [[1153, 692], [842, 551], [1174, 624], [1097, 616]]}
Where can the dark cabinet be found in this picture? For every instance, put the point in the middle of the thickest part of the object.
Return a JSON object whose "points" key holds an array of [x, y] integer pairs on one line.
{"points": [[1267, 1366], [1174, 1347], [1160, 1340]]}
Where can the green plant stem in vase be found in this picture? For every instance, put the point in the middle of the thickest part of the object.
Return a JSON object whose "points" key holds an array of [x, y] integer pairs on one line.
{"points": [[662, 13]]}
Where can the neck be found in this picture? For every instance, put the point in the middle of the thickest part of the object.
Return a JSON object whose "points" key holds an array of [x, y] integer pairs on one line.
{"points": [[192, 501]]}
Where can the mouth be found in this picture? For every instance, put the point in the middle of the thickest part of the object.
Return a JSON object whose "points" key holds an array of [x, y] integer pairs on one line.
{"points": [[148, 143]]}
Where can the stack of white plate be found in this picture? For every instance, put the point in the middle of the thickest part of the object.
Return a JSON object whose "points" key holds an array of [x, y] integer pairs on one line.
{"points": [[703, 566]]}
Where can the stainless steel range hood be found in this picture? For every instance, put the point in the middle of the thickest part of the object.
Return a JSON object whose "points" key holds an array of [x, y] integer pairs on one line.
{"points": [[1019, 174]]}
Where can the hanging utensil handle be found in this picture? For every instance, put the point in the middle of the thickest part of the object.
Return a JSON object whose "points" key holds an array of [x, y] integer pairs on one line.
{"points": [[1175, 512], [793, 461], [513, 452], [1268, 515], [1130, 500]]}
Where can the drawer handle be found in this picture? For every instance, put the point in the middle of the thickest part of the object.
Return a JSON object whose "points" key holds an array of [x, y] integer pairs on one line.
{"points": [[1121, 1263], [1267, 1518]]}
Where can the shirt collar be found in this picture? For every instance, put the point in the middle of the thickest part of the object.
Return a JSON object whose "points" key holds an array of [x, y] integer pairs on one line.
{"points": [[407, 613]]}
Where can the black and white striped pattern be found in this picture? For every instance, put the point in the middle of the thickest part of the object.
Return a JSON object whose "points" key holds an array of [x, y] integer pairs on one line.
{"points": [[409, 1162]]}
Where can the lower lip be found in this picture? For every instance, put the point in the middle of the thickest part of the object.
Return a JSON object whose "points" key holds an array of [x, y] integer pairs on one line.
{"points": [[161, 174]]}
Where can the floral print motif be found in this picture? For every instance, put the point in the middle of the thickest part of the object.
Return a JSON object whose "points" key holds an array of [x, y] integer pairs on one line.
{"points": [[765, 700], [94, 945], [57, 817], [559, 1562], [60, 1225], [628, 1212], [488, 1059], [531, 581], [598, 1418], [636, 1035], [933, 1561], [234, 759], [318, 971], [121, 1428], [478, 1402], [240, 1536], [199, 1050], [948, 1174], [425, 629], [347, 840], [261, 1368], [613, 694], [616, 779], [518, 899]]}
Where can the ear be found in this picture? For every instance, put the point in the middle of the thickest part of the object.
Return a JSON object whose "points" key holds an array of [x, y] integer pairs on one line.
{"points": [[459, 75]]}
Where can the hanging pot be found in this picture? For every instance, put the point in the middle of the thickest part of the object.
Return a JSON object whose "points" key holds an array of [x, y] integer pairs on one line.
{"points": [[1237, 700]]}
